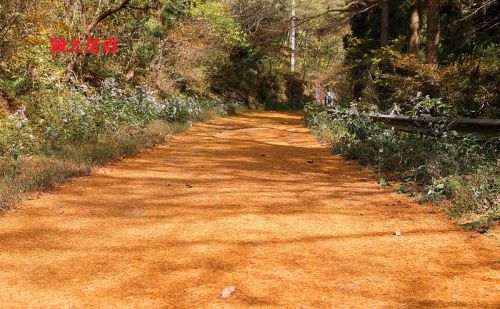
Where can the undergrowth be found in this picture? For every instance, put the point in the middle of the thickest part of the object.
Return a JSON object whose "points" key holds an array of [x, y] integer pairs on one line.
{"points": [[49, 142], [441, 164]]}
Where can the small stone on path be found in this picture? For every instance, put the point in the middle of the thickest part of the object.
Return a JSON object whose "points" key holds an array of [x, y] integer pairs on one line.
{"points": [[397, 233], [228, 291]]}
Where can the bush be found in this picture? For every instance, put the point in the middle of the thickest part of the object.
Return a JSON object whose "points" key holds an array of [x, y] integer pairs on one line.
{"points": [[464, 168], [41, 172], [87, 114], [389, 76], [63, 136], [185, 109], [17, 136]]}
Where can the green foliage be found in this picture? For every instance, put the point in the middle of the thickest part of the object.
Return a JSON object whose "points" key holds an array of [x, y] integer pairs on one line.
{"points": [[65, 137], [184, 109], [17, 136], [42, 172], [221, 23], [174, 9], [16, 85], [477, 192], [155, 28], [463, 168], [483, 225], [82, 117]]}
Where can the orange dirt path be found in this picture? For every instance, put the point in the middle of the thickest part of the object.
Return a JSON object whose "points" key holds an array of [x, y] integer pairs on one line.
{"points": [[286, 233]]}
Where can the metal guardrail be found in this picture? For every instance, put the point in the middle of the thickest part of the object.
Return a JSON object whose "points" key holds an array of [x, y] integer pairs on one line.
{"points": [[463, 125], [488, 127]]}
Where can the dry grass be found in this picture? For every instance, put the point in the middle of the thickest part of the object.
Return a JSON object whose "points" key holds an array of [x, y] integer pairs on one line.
{"points": [[44, 172]]}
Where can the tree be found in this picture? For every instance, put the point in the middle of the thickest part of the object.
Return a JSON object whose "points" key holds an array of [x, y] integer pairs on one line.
{"points": [[384, 23], [432, 30], [292, 39], [414, 27], [97, 19]]}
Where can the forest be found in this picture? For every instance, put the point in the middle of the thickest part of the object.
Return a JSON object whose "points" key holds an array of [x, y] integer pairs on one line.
{"points": [[249, 153]]}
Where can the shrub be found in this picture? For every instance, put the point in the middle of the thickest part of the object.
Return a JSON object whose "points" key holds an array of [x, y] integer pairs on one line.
{"points": [[65, 135], [17, 136], [389, 76], [443, 163], [87, 114]]}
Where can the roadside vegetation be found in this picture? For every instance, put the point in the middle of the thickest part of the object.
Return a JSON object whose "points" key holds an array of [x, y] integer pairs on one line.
{"points": [[66, 138], [416, 58], [444, 164]]}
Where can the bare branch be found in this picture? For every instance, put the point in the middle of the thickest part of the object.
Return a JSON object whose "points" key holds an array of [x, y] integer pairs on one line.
{"points": [[92, 26], [482, 6], [106, 14]]}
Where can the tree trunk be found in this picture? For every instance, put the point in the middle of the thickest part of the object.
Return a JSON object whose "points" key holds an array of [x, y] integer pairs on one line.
{"points": [[432, 30], [292, 39], [384, 23], [414, 33], [304, 60]]}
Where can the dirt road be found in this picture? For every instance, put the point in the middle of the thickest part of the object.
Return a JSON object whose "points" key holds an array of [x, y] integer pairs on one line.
{"points": [[236, 202]]}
